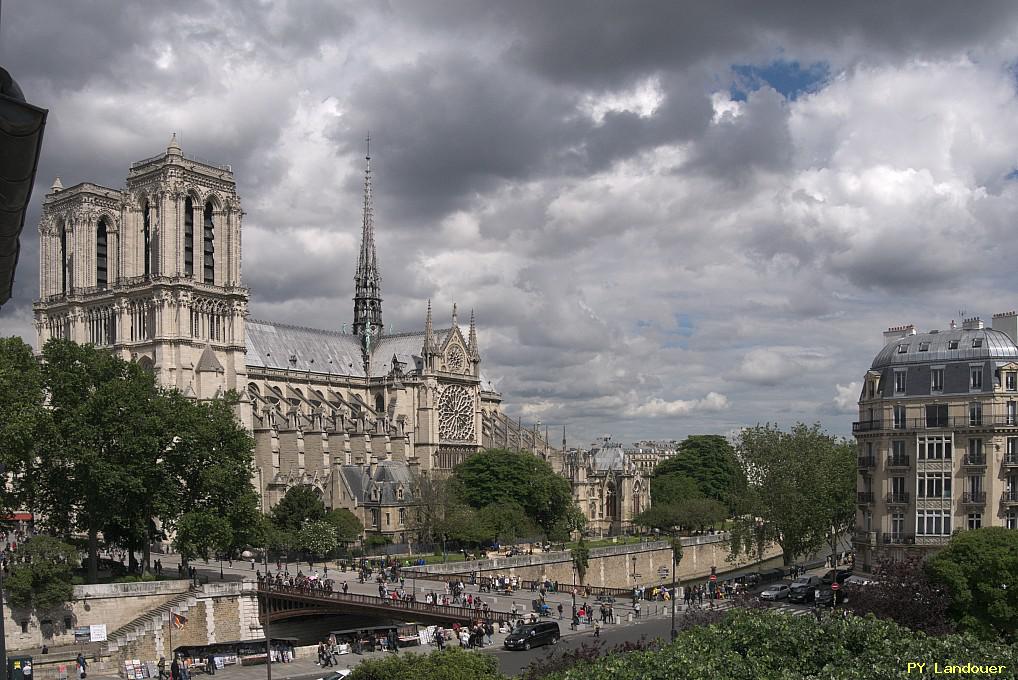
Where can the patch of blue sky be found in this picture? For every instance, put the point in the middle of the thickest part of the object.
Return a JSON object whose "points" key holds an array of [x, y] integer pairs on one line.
{"points": [[790, 78]]}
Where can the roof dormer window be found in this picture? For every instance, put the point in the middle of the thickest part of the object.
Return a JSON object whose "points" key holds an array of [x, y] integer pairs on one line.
{"points": [[977, 342], [902, 348], [924, 347], [952, 344]]}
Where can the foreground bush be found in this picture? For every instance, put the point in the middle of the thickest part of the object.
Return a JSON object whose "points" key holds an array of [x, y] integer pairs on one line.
{"points": [[758, 645], [451, 664]]}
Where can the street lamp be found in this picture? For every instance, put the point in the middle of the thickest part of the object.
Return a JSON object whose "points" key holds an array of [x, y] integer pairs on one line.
{"points": [[268, 614], [676, 558]]}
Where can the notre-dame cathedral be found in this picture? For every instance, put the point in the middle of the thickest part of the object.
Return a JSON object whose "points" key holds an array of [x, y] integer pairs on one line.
{"points": [[153, 272]]}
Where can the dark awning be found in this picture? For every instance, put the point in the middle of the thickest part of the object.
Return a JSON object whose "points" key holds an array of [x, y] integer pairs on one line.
{"points": [[21, 128]]}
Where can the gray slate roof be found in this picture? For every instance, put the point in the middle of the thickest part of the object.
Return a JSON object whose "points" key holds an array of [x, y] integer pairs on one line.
{"points": [[995, 345], [270, 345], [609, 457], [388, 475]]}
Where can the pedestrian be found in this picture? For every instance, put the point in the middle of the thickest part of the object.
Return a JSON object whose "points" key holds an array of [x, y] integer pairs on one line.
{"points": [[252, 564], [597, 629], [175, 668], [636, 609], [210, 665], [161, 666], [559, 611], [26, 670]]}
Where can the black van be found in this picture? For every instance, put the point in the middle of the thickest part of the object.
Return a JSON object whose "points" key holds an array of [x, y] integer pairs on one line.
{"points": [[533, 635]]}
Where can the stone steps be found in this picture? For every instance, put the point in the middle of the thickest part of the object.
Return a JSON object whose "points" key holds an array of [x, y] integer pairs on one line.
{"points": [[150, 621]]}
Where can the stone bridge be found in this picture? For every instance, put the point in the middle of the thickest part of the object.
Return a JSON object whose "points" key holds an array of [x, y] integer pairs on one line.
{"points": [[285, 602]]}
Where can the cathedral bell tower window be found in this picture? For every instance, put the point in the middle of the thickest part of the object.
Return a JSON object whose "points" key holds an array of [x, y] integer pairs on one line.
{"points": [[209, 246], [146, 229], [101, 242], [188, 237], [65, 261]]}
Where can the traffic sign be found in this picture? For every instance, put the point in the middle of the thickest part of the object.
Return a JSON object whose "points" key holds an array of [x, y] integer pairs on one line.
{"points": [[713, 577], [835, 586]]}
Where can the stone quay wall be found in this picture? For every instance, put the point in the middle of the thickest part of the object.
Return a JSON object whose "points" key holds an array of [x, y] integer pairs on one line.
{"points": [[619, 566]]}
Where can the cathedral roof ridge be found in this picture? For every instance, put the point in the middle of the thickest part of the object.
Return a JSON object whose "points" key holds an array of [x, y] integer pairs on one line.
{"points": [[280, 324]]}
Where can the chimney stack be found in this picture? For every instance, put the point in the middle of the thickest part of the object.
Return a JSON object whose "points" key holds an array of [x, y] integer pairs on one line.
{"points": [[1007, 322], [973, 324], [898, 332]]}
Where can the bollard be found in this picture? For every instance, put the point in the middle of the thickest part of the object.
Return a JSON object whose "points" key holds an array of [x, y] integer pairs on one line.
{"points": [[629, 617]]}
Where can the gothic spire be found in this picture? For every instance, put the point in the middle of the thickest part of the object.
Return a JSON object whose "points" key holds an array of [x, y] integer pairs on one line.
{"points": [[472, 339], [429, 334], [367, 308]]}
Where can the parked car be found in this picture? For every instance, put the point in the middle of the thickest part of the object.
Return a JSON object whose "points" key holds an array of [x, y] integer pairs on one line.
{"points": [[804, 588], [805, 582], [859, 581], [532, 635], [832, 575], [778, 591], [828, 598]]}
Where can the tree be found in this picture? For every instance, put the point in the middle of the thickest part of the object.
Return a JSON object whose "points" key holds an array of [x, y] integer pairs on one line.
{"points": [[671, 488], [710, 462], [346, 525], [581, 559], [42, 578], [660, 517], [433, 500], [789, 473], [202, 534], [318, 538], [299, 505], [773, 645], [903, 593], [699, 513], [23, 419], [979, 569], [506, 522], [451, 664], [498, 476]]}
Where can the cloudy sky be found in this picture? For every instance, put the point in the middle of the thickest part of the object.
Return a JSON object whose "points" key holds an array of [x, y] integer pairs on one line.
{"points": [[670, 218]]}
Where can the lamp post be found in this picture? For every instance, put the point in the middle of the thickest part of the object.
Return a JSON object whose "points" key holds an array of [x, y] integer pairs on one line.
{"points": [[3, 634], [676, 558], [268, 615]]}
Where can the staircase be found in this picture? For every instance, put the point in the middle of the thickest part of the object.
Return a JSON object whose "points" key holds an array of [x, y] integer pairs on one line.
{"points": [[149, 622]]}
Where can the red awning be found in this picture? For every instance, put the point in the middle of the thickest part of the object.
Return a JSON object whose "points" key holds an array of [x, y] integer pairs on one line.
{"points": [[20, 517]]}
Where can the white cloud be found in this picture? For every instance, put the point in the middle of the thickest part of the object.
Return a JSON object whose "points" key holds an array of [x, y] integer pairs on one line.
{"points": [[847, 398], [657, 407]]}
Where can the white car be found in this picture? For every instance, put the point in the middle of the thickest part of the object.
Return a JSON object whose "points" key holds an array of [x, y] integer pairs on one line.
{"points": [[859, 581], [776, 592], [337, 675]]}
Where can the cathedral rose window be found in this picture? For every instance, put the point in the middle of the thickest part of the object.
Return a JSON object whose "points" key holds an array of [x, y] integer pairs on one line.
{"points": [[455, 360], [456, 414]]}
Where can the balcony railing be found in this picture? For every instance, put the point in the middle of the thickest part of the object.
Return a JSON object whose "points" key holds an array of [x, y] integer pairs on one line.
{"points": [[860, 536], [956, 422], [1010, 496], [1011, 460], [864, 497], [973, 498], [867, 462], [973, 460], [898, 461], [897, 538], [897, 497]]}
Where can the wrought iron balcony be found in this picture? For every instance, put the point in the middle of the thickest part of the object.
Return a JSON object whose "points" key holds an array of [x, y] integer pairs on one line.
{"points": [[897, 538], [950, 423], [1011, 460], [973, 460], [864, 497], [867, 426], [973, 498], [897, 498], [867, 462], [898, 461], [868, 537], [1009, 497]]}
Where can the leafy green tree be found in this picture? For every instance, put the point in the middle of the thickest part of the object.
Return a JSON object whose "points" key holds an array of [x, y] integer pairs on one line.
{"points": [[347, 527], [581, 559], [23, 419], [671, 488], [775, 646], [318, 538], [979, 569], [498, 476], [700, 513], [462, 525], [801, 483], [662, 517], [903, 593], [451, 664], [299, 505], [42, 578], [710, 462], [506, 522], [202, 534]]}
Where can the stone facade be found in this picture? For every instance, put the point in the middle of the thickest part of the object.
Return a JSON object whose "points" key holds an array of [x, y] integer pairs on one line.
{"points": [[937, 437], [610, 485]]}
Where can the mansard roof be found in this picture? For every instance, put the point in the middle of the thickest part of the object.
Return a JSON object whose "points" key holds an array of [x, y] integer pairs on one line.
{"points": [[389, 476], [959, 344]]}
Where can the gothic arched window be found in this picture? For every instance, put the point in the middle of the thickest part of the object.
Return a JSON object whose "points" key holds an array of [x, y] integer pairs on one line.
{"points": [[188, 236], [209, 249], [65, 262], [146, 228], [379, 403], [100, 254]]}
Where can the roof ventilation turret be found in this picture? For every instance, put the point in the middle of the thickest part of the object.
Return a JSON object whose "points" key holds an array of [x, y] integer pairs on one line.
{"points": [[973, 324]]}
